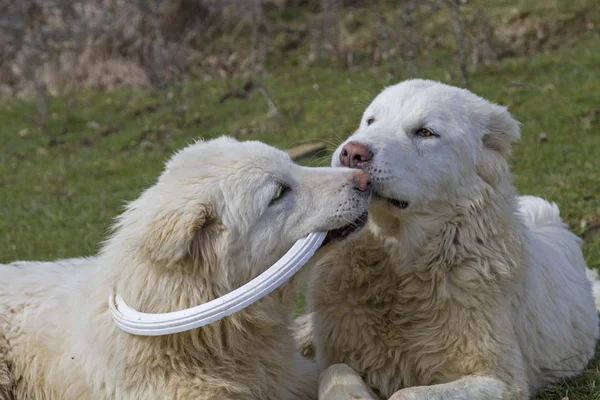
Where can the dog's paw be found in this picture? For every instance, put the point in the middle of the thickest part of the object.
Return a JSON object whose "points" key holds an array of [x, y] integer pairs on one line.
{"points": [[341, 382], [413, 393]]}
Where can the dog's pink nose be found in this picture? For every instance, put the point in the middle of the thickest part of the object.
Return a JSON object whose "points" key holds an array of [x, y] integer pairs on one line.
{"points": [[355, 155], [361, 180]]}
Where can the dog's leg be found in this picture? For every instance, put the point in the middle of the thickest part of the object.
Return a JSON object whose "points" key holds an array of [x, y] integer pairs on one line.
{"points": [[340, 382], [303, 335], [6, 378], [6, 384], [467, 388]]}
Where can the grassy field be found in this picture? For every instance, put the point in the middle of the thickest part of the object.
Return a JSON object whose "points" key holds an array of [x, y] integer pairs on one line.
{"points": [[60, 186]]}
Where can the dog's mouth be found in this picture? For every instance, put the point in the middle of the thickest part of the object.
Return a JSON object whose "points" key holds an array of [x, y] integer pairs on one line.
{"points": [[342, 233], [401, 204]]}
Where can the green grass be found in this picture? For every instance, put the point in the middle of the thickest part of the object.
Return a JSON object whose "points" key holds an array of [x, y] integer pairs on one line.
{"points": [[61, 186]]}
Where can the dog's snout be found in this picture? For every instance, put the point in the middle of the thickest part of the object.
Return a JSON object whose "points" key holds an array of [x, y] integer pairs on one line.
{"points": [[355, 155], [361, 180]]}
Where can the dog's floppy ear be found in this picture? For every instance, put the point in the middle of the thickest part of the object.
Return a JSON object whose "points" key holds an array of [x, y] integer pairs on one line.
{"points": [[501, 129], [176, 234]]}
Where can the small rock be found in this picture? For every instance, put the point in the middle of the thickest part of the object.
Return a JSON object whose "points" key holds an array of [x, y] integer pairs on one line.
{"points": [[543, 137], [24, 132], [42, 151], [548, 87], [315, 86], [93, 125]]}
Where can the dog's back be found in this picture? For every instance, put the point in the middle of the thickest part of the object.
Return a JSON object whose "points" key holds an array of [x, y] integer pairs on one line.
{"points": [[27, 289], [25, 281], [556, 275], [544, 219]]}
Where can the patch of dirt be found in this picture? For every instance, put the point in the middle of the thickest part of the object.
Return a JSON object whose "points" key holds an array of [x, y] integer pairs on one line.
{"points": [[523, 33], [123, 46], [147, 109], [149, 138], [103, 131], [153, 135]]}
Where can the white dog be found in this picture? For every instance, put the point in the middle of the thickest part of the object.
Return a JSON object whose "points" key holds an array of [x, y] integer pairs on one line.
{"points": [[459, 288], [220, 214]]}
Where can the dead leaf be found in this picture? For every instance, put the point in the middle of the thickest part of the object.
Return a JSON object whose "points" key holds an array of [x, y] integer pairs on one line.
{"points": [[305, 150]]}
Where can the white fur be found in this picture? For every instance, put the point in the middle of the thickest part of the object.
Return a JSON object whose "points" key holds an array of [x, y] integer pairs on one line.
{"points": [[204, 228], [471, 292]]}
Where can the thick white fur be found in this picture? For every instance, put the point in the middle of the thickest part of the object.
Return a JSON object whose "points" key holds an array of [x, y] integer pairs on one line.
{"points": [[471, 292], [203, 229]]}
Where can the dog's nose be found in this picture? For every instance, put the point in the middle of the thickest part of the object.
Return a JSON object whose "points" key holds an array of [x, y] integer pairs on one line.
{"points": [[355, 155], [361, 180]]}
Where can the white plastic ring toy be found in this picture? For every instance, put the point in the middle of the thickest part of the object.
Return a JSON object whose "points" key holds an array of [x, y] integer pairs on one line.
{"points": [[145, 324]]}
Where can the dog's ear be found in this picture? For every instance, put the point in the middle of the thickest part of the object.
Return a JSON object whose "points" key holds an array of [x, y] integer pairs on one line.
{"points": [[501, 130], [202, 248], [176, 235]]}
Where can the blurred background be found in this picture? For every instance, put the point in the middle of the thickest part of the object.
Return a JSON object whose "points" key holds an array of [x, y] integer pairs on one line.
{"points": [[96, 94]]}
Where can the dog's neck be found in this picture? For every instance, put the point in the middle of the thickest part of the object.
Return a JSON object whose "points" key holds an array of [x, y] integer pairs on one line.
{"points": [[489, 216], [161, 289], [404, 235]]}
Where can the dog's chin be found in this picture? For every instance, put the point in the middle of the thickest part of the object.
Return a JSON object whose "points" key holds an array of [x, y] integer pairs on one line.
{"points": [[394, 203], [337, 235]]}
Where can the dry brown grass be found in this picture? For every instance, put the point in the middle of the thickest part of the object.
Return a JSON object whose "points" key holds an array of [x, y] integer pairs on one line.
{"points": [[62, 46]]}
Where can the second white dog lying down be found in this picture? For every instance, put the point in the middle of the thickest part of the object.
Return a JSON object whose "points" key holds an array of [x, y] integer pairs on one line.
{"points": [[220, 214], [458, 288]]}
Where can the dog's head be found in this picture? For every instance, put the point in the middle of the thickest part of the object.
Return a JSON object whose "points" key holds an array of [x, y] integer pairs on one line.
{"points": [[238, 207], [425, 144]]}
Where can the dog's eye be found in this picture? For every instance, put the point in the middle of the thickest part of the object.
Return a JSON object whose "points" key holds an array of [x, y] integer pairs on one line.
{"points": [[279, 193], [425, 132], [370, 120]]}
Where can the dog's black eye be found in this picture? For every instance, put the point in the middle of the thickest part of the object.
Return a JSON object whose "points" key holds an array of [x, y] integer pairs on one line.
{"points": [[425, 132], [279, 193], [370, 120]]}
